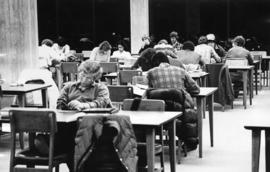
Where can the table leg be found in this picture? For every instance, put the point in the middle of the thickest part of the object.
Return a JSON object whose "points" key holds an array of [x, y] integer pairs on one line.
{"points": [[256, 79], [21, 103], [256, 141], [199, 101], [44, 95], [251, 86], [172, 146], [244, 89], [267, 150], [150, 149], [59, 76], [211, 109]]}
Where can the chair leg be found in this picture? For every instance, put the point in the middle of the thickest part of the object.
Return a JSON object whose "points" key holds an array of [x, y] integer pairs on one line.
{"points": [[21, 140], [179, 150], [162, 152], [57, 168]]}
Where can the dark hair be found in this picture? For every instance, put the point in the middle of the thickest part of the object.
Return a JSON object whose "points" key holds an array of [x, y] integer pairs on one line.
{"points": [[188, 45], [202, 40], [158, 58], [239, 41], [47, 42], [105, 46], [174, 34], [61, 41]]}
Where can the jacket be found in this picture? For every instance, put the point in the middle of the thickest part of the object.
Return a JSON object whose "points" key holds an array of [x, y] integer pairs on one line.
{"points": [[179, 100], [90, 131], [220, 77]]}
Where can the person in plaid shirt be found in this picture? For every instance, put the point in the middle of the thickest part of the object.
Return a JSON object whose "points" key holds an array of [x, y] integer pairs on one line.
{"points": [[165, 75]]}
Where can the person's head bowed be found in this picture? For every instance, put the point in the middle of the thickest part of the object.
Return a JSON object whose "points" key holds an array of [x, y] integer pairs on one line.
{"points": [[89, 71]]}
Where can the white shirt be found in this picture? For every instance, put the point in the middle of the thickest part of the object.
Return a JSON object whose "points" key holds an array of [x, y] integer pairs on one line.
{"points": [[45, 56], [206, 52], [121, 55]]}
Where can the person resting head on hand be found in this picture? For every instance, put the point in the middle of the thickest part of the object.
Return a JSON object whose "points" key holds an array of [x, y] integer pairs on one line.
{"points": [[86, 93]]}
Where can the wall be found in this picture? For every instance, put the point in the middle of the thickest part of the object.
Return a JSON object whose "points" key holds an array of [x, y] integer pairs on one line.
{"points": [[19, 37]]}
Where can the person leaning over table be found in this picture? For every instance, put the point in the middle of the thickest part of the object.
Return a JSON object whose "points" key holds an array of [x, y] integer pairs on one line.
{"points": [[80, 95], [166, 76], [102, 53]]}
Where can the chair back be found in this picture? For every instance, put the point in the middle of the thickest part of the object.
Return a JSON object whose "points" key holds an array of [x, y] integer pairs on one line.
{"points": [[236, 62], [145, 105], [114, 59], [68, 72], [125, 76], [25, 120], [139, 80], [214, 72], [262, 53], [119, 93], [109, 67]]}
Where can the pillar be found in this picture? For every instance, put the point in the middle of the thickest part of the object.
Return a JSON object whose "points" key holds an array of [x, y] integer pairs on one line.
{"points": [[19, 37], [139, 23]]}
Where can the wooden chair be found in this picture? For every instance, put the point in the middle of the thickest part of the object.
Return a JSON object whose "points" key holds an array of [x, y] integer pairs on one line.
{"points": [[109, 67], [139, 80], [114, 59], [33, 122], [119, 93], [125, 76], [67, 72], [264, 65], [258, 68], [150, 105]]}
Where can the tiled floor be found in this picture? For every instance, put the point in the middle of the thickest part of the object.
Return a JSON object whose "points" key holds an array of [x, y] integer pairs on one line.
{"points": [[232, 143]]}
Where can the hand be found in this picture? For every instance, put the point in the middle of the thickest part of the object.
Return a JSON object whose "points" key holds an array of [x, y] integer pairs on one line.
{"points": [[76, 105]]}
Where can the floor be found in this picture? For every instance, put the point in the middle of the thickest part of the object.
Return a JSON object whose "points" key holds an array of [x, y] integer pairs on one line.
{"points": [[232, 143]]}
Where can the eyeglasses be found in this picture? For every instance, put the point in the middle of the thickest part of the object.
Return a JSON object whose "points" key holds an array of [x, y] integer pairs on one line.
{"points": [[86, 76]]}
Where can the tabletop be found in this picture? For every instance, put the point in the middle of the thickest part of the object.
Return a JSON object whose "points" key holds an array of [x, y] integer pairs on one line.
{"points": [[241, 67], [205, 91], [25, 88]]}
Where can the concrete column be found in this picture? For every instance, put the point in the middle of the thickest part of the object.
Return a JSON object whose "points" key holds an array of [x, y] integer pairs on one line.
{"points": [[19, 37], [139, 22]]}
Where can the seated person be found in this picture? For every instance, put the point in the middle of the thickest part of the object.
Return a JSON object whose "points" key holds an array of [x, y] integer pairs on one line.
{"points": [[121, 54], [213, 43], [207, 52], [174, 41], [166, 76], [146, 43], [238, 51], [188, 56], [80, 95], [144, 61], [102, 53]]}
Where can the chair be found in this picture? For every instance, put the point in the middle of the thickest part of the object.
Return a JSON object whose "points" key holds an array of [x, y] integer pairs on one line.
{"points": [[114, 59], [258, 68], [139, 80], [119, 93], [149, 105], [219, 76], [264, 65], [33, 122], [68, 72], [126, 76], [109, 67]]}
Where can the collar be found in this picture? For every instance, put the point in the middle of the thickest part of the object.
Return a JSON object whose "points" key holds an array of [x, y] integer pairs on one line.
{"points": [[80, 87]]}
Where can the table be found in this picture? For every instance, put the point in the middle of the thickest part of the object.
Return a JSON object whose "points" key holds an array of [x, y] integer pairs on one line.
{"points": [[147, 120], [21, 90], [201, 76], [245, 71], [256, 126], [205, 92]]}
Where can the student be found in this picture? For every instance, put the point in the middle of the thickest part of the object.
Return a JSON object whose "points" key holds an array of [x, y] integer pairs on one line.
{"points": [[213, 43], [174, 41], [46, 54], [102, 53], [146, 43], [207, 52], [80, 95], [121, 54]]}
